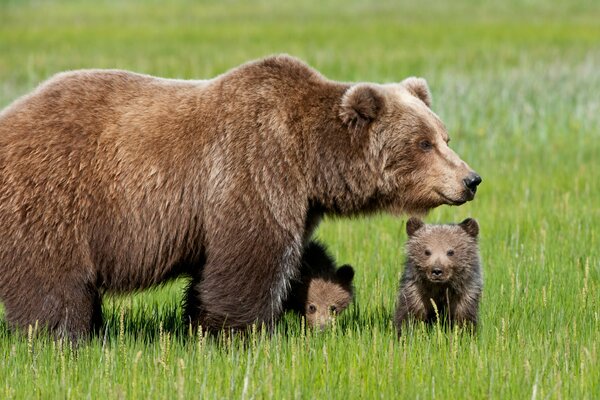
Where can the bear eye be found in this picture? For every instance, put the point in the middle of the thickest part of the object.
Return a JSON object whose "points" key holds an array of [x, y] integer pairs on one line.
{"points": [[427, 253], [333, 309], [312, 309], [425, 145], [450, 253]]}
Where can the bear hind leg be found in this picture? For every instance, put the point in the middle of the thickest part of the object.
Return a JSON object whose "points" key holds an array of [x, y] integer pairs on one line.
{"points": [[73, 312], [81, 313]]}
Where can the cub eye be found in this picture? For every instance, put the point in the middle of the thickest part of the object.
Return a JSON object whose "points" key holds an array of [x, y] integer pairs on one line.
{"points": [[333, 309], [312, 309], [427, 253], [450, 253], [425, 145]]}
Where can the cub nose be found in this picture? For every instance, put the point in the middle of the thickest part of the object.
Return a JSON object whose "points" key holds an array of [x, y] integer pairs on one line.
{"points": [[436, 271], [472, 181]]}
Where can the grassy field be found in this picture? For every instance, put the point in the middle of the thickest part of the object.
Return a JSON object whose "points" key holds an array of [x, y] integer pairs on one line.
{"points": [[518, 85]]}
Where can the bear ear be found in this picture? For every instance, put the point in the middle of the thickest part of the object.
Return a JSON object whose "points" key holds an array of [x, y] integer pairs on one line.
{"points": [[470, 226], [345, 274], [413, 225], [361, 104], [418, 87]]}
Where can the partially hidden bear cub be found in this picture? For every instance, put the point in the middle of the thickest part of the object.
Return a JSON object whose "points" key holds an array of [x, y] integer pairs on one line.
{"points": [[442, 267], [322, 291]]}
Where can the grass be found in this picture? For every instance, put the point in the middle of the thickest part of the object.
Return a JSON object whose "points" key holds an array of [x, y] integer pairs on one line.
{"points": [[517, 84]]}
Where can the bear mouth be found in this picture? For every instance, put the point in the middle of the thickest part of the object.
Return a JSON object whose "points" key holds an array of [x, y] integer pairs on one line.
{"points": [[438, 279], [454, 202]]}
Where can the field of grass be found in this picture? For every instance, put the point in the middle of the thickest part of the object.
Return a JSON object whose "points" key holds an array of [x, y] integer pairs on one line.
{"points": [[518, 85]]}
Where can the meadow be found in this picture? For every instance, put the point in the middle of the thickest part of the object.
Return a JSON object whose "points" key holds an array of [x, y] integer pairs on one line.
{"points": [[518, 86]]}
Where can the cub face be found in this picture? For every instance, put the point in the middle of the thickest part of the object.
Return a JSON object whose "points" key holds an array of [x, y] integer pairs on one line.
{"points": [[442, 253], [328, 296]]}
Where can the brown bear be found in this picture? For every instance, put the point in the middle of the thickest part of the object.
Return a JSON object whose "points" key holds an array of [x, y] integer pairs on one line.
{"points": [[442, 267], [322, 291], [112, 181]]}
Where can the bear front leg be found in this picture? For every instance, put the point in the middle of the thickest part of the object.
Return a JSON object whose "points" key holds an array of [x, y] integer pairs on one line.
{"points": [[466, 311], [244, 281], [401, 316], [406, 313], [409, 306], [191, 302]]}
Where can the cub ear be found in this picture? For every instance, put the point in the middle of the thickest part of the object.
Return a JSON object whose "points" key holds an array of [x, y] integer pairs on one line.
{"points": [[413, 225], [470, 226], [361, 104], [418, 87], [345, 274]]}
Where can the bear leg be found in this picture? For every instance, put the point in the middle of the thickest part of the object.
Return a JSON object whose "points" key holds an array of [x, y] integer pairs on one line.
{"points": [[71, 313], [191, 302], [239, 288], [466, 312], [81, 313]]}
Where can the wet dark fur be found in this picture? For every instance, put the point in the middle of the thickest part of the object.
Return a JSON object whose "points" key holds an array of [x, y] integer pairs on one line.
{"points": [[457, 299], [116, 181]]}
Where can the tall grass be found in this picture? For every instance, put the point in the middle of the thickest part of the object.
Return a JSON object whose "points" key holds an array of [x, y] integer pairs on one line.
{"points": [[517, 84]]}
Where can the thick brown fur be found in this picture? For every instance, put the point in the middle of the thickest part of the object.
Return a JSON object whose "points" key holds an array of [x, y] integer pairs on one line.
{"points": [[442, 267], [322, 291], [116, 181]]}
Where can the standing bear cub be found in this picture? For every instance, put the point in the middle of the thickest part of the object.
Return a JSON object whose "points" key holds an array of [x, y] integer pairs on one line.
{"points": [[322, 291], [112, 181], [442, 277]]}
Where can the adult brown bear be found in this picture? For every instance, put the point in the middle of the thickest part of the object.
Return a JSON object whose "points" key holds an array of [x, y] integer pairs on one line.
{"points": [[115, 181]]}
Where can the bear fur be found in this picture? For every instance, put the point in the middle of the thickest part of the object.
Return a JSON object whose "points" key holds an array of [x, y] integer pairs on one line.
{"points": [[112, 181], [442, 267], [322, 291]]}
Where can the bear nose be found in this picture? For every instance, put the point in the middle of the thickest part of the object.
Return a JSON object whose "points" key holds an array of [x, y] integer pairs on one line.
{"points": [[436, 271], [472, 181]]}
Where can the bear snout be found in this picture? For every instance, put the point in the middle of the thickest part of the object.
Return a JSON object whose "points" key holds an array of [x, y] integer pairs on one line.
{"points": [[471, 182], [438, 274], [321, 321]]}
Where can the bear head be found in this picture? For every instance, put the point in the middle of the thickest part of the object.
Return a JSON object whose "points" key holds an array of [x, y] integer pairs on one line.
{"points": [[442, 254], [408, 146], [328, 296]]}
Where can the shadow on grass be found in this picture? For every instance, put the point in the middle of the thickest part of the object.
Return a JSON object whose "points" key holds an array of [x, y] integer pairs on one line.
{"points": [[141, 318]]}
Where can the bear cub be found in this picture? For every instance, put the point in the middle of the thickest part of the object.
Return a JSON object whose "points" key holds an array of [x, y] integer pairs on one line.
{"points": [[442, 267], [321, 291]]}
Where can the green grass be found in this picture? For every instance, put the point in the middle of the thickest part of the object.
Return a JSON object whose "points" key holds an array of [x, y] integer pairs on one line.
{"points": [[518, 86]]}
